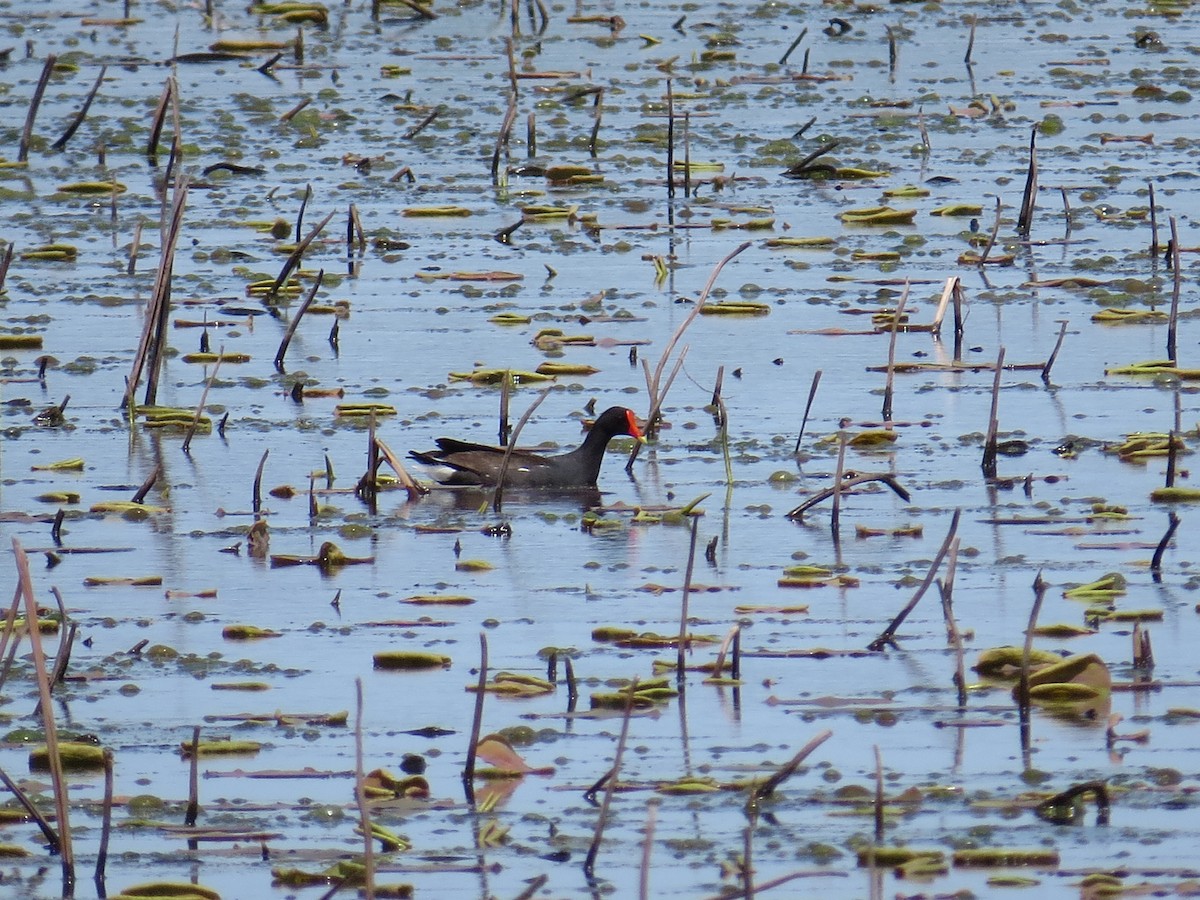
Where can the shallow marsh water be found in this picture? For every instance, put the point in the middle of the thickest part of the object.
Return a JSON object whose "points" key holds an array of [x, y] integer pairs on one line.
{"points": [[551, 582]]}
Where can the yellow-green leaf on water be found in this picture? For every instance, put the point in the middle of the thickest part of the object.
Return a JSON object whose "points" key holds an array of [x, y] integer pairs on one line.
{"points": [[439, 600], [610, 633], [92, 187], [1113, 316], [221, 748], [168, 890], [688, 786], [118, 581], [1005, 856], [958, 209], [735, 308], [878, 215], [229, 45], [1062, 691], [555, 369], [240, 686], [510, 318], [852, 172], [128, 508], [1005, 662], [410, 660], [770, 610], [1130, 615], [74, 464], [906, 191], [800, 242], [1175, 495], [1062, 630], [247, 633], [424, 212], [875, 437], [51, 252], [497, 376], [211, 358], [75, 757], [58, 497], [363, 409], [473, 565], [875, 256], [1111, 584], [807, 571], [20, 342]]}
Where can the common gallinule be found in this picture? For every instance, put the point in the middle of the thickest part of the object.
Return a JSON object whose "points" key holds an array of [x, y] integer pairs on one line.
{"points": [[466, 463]]}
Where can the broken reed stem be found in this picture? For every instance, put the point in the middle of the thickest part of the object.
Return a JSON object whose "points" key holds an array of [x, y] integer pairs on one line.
{"points": [[812, 395], [82, 114], [34, 813], [468, 776], [57, 778], [687, 153], [10, 632], [1029, 199], [498, 494], [889, 385], [680, 666], [34, 103], [572, 685], [293, 260], [670, 140], [5, 262], [105, 823], [1153, 228], [308, 192], [368, 486], [256, 501], [889, 633], [134, 246], [414, 490], [154, 332], [791, 47], [748, 862], [295, 323], [589, 862], [1173, 321], [989, 445], [506, 386], [970, 42], [1062, 333], [992, 237], [355, 236], [846, 484], [1156, 560], [160, 118], [506, 124], [723, 650], [360, 795], [647, 848], [893, 52], [946, 590], [767, 788], [948, 289], [725, 455], [1066, 208], [191, 432], [1039, 593], [192, 813], [839, 472], [597, 116], [531, 136]]}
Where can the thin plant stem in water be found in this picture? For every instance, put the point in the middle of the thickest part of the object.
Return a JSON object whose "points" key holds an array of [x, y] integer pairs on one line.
{"points": [[468, 776], [589, 863], [887, 637], [680, 657]]}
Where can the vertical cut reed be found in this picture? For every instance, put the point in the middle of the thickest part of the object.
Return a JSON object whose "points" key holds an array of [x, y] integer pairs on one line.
{"points": [[82, 114], [192, 813], [360, 796], [34, 103], [681, 655], [1029, 198], [468, 776], [589, 862], [989, 444]]}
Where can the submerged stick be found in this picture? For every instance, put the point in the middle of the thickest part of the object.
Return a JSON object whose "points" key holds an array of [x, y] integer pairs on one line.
{"points": [[768, 787], [983, 257], [812, 394], [845, 485], [82, 114], [680, 666], [34, 103], [886, 638], [589, 862]]}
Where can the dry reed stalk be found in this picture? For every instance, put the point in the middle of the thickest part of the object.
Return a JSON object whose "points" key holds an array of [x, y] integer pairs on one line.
{"points": [[846, 484], [652, 806], [57, 778], [1173, 320], [414, 490], [295, 323], [723, 650], [687, 153], [256, 496], [983, 257], [989, 444], [5, 262], [10, 632], [768, 787], [597, 116], [1039, 594], [680, 657], [952, 284], [360, 796], [134, 246], [1062, 334], [886, 637], [105, 824], [791, 47], [308, 192], [506, 124], [572, 685], [946, 590], [970, 42], [1153, 228], [878, 795], [423, 124], [1029, 198], [468, 776], [295, 110], [610, 788], [30, 807], [498, 494], [212, 377], [531, 136], [506, 386], [159, 119], [670, 139], [34, 103], [293, 260], [893, 52], [748, 862], [192, 813], [812, 394], [355, 236], [839, 473], [889, 386], [82, 114], [1156, 560]]}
